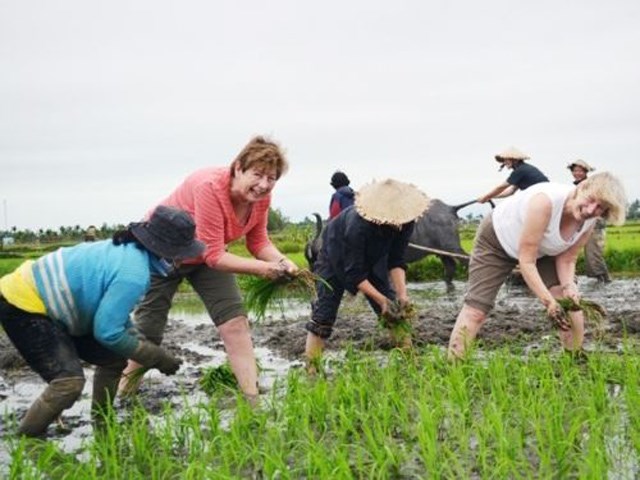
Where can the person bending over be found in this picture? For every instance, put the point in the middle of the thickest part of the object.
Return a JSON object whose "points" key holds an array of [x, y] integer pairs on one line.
{"points": [[74, 304], [542, 228], [362, 249]]}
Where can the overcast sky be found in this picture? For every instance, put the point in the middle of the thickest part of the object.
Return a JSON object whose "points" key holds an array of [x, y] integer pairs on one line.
{"points": [[105, 106]]}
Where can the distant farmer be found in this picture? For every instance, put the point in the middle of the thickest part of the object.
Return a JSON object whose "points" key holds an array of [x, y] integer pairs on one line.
{"points": [[522, 177], [343, 196], [595, 264], [91, 234], [227, 203], [543, 229], [362, 251], [74, 304]]}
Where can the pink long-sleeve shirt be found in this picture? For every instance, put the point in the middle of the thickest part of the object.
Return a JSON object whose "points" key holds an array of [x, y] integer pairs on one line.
{"points": [[206, 196]]}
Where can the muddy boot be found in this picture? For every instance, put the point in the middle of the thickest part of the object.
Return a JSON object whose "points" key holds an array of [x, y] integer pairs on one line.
{"points": [[59, 395], [105, 384]]}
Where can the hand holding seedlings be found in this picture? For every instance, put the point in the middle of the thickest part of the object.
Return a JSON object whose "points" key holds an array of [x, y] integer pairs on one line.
{"points": [[393, 312], [558, 316], [283, 268], [593, 312]]}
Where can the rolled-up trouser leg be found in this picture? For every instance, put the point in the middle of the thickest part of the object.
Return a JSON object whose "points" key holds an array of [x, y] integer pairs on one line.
{"points": [[325, 309], [59, 395], [150, 316]]}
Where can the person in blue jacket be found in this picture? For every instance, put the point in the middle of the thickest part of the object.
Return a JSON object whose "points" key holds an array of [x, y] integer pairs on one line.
{"points": [[74, 303], [344, 195], [363, 251]]}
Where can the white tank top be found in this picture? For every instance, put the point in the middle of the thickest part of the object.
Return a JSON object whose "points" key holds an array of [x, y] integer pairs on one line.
{"points": [[509, 215]]}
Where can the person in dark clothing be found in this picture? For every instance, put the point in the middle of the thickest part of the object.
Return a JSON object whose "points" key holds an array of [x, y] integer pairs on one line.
{"points": [[523, 176], [344, 195], [594, 262], [362, 250]]}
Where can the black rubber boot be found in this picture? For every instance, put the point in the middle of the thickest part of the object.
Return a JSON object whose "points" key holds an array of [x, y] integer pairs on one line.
{"points": [[59, 395]]}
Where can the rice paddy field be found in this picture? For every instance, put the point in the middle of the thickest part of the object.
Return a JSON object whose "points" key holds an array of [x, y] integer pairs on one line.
{"points": [[384, 416], [518, 407]]}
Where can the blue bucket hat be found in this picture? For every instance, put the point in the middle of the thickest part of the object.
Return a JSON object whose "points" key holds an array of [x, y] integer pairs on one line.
{"points": [[169, 233]]}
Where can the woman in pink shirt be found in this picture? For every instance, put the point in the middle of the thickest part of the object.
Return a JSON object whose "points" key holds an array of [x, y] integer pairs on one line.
{"points": [[227, 203]]}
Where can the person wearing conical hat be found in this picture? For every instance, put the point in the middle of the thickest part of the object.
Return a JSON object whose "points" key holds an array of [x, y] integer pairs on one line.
{"points": [[542, 229], [595, 264], [363, 251], [522, 177], [579, 169]]}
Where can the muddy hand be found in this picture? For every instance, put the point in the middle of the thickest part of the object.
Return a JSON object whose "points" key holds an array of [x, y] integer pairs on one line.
{"points": [[394, 312], [288, 268], [559, 317]]}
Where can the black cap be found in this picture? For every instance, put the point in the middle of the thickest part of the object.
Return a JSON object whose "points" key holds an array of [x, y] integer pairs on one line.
{"points": [[169, 233]]}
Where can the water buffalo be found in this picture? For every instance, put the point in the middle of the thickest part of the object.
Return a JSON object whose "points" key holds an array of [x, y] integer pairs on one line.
{"points": [[435, 233], [313, 246]]}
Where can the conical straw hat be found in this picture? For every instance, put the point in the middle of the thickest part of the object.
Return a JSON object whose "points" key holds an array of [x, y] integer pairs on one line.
{"points": [[582, 164], [391, 202], [511, 153]]}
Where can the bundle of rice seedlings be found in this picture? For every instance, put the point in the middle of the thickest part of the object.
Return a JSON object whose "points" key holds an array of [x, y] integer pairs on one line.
{"points": [[133, 380], [400, 328], [260, 293], [593, 312], [218, 378]]}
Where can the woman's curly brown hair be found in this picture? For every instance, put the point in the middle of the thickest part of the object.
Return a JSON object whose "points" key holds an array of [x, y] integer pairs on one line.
{"points": [[263, 153]]}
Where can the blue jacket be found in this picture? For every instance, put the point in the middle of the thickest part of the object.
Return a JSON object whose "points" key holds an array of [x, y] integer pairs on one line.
{"points": [[342, 198], [91, 288]]}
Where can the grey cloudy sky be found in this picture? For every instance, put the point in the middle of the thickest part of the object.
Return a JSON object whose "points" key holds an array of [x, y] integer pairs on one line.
{"points": [[105, 106]]}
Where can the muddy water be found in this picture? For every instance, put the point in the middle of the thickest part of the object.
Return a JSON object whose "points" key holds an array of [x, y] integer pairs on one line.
{"points": [[279, 341]]}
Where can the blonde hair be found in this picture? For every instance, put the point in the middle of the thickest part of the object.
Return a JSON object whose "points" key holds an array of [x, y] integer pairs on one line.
{"points": [[607, 189], [261, 152]]}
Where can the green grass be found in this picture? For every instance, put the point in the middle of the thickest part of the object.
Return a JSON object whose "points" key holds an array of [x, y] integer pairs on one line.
{"points": [[622, 252], [389, 416]]}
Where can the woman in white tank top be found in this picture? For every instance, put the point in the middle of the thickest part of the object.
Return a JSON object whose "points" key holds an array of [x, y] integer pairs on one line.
{"points": [[542, 229]]}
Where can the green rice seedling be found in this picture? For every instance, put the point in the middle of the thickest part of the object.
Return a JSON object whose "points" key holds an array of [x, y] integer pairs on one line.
{"points": [[133, 378], [384, 415], [215, 379], [594, 313], [261, 293], [400, 328]]}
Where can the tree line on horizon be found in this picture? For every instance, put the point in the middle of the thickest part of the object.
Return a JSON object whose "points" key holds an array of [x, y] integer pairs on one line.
{"points": [[277, 222]]}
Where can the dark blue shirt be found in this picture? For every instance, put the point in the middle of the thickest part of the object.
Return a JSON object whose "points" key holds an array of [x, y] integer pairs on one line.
{"points": [[353, 246], [524, 175]]}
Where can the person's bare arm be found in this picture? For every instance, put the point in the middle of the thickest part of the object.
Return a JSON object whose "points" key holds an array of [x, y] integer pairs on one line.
{"points": [[566, 266], [230, 262], [494, 192], [507, 192], [399, 282], [536, 221], [367, 288]]}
